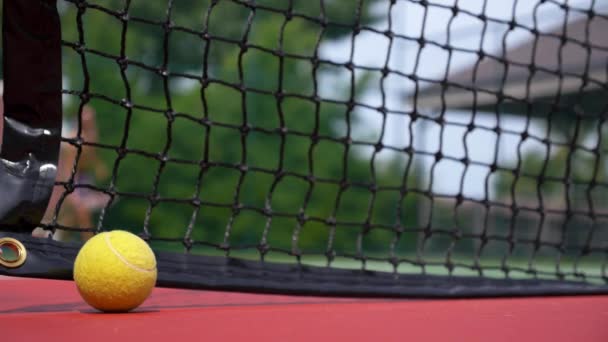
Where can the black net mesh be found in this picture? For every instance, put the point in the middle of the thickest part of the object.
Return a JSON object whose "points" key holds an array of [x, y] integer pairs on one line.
{"points": [[407, 137]]}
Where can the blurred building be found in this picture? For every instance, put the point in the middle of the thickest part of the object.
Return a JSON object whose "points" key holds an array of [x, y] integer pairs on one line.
{"points": [[566, 62], [558, 78]]}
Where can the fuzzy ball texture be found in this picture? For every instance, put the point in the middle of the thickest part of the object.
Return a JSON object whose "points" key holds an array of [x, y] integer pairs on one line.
{"points": [[115, 271]]}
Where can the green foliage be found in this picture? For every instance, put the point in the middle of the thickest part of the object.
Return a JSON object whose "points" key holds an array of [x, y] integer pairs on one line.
{"points": [[564, 171], [224, 112]]}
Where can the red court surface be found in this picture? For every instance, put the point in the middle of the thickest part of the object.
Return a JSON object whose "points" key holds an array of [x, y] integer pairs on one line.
{"points": [[48, 310]]}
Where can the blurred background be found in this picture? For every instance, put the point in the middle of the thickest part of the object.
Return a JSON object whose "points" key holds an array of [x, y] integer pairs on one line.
{"points": [[438, 131]]}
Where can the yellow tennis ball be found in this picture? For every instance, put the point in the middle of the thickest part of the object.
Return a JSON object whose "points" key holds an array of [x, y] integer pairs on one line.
{"points": [[115, 271]]}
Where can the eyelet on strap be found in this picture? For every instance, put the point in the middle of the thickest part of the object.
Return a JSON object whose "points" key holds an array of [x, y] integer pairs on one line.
{"points": [[12, 253]]}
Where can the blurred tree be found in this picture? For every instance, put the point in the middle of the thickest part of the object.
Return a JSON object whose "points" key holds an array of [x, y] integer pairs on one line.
{"points": [[567, 175], [571, 156], [223, 84]]}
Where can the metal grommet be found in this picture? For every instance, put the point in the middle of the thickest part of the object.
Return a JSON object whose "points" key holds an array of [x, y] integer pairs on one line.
{"points": [[12, 252]]}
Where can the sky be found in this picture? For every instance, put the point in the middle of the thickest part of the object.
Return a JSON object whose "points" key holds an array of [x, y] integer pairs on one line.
{"points": [[435, 23]]}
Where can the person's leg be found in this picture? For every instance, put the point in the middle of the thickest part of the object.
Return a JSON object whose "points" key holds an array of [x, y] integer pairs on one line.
{"points": [[84, 219], [66, 214], [58, 191]]}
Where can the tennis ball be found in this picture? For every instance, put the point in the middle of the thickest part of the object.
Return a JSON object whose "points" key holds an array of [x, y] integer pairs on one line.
{"points": [[115, 271]]}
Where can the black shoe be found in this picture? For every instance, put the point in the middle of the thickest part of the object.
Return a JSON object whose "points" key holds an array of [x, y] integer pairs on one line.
{"points": [[25, 188]]}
